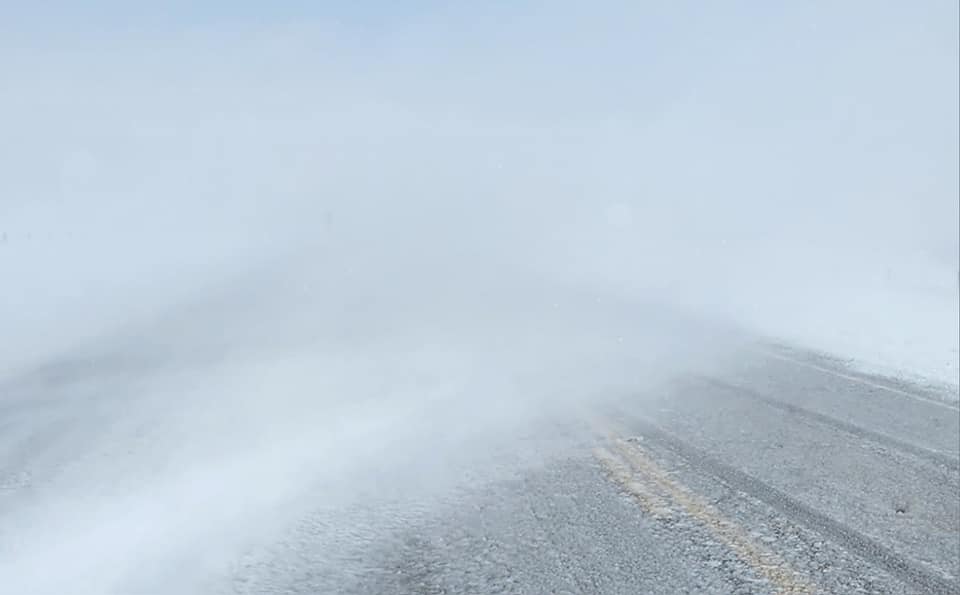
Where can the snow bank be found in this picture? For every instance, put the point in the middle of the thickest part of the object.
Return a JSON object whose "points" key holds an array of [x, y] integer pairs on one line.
{"points": [[891, 331]]}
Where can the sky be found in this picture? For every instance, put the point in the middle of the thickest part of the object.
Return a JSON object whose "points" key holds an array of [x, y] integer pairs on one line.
{"points": [[114, 14], [651, 145]]}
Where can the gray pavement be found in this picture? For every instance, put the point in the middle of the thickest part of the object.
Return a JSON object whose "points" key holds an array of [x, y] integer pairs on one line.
{"points": [[783, 471], [784, 474]]}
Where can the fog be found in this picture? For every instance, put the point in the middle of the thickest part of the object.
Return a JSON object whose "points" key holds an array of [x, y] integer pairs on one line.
{"points": [[258, 258]]}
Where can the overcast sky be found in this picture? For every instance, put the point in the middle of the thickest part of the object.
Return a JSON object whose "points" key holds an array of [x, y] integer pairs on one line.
{"points": [[658, 142]]}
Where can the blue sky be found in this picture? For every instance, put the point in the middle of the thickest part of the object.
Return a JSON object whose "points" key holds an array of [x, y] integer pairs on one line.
{"points": [[119, 15]]}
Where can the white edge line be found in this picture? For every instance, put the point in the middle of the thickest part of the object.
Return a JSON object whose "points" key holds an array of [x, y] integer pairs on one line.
{"points": [[863, 381]]}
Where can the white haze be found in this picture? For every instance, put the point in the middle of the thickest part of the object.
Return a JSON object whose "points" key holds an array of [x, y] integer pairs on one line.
{"points": [[286, 256]]}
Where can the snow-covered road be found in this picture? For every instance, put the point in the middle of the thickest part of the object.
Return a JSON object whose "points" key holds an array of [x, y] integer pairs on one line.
{"points": [[454, 462]]}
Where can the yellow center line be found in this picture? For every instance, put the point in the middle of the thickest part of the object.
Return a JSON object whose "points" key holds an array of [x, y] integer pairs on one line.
{"points": [[647, 498], [661, 496]]}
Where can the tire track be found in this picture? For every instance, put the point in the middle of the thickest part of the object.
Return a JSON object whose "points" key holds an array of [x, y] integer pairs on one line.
{"points": [[889, 442], [879, 555]]}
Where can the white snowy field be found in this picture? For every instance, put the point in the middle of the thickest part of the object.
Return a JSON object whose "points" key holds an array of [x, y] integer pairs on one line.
{"points": [[902, 332], [897, 316], [887, 306]]}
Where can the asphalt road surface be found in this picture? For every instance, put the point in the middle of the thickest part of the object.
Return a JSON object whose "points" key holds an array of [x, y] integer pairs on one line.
{"points": [[785, 472]]}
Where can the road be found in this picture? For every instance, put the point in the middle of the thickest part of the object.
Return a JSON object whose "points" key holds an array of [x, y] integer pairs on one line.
{"points": [[781, 472]]}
